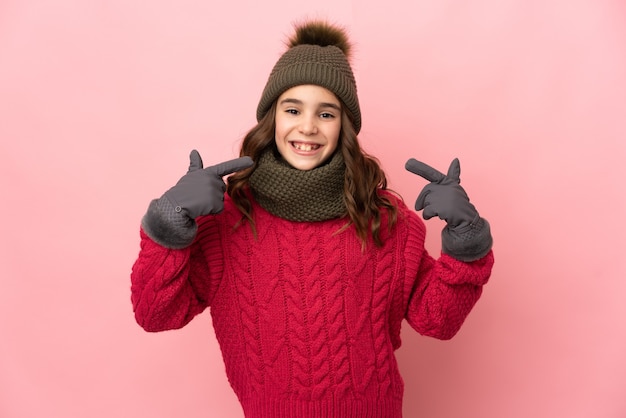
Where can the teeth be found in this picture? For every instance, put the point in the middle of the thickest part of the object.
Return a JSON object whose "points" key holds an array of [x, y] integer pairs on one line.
{"points": [[305, 147]]}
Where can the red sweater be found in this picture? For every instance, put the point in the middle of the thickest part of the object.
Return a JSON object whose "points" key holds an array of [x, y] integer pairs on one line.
{"points": [[306, 321]]}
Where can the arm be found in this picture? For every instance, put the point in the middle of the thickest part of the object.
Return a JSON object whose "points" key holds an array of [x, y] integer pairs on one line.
{"points": [[167, 286], [447, 289], [174, 277], [445, 292]]}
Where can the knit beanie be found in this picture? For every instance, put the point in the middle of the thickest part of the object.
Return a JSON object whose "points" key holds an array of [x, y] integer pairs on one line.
{"points": [[318, 54]]}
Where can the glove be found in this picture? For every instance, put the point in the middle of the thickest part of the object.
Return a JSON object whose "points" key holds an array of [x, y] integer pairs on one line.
{"points": [[466, 236], [170, 220], [443, 197], [201, 190]]}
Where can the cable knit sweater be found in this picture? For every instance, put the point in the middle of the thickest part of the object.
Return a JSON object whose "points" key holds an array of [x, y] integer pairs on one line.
{"points": [[306, 320]]}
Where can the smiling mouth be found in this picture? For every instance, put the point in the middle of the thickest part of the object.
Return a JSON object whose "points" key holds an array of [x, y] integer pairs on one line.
{"points": [[302, 146]]}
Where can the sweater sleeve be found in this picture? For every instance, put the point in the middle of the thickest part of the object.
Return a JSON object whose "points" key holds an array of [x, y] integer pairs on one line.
{"points": [[442, 291], [169, 287]]}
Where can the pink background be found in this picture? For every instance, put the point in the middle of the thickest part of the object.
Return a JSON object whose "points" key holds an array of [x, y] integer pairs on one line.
{"points": [[101, 101]]}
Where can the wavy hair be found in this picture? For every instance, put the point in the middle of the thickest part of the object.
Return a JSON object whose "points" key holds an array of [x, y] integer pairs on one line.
{"points": [[363, 179]]}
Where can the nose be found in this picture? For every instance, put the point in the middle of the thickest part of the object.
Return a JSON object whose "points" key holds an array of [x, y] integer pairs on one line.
{"points": [[308, 126]]}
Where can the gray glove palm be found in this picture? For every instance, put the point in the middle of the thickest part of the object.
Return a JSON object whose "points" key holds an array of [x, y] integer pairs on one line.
{"points": [[467, 236]]}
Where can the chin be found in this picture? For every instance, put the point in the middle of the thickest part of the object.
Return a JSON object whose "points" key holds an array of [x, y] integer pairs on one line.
{"points": [[303, 165], [300, 163]]}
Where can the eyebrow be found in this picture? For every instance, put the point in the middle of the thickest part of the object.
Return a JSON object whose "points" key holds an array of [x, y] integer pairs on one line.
{"points": [[299, 102]]}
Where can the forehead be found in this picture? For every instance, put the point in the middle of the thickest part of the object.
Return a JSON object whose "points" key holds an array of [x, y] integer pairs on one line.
{"points": [[310, 93]]}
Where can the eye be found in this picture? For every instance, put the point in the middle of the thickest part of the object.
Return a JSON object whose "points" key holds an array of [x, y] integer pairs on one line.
{"points": [[327, 115], [292, 111]]}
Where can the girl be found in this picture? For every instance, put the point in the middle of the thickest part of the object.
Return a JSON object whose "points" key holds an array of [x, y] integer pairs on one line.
{"points": [[307, 262]]}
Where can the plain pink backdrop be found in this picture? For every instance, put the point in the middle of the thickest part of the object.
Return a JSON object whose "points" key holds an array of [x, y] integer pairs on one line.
{"points": [[101, 101]]}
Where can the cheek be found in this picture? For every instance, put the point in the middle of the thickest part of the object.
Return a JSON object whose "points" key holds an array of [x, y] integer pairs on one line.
{"points": [[279, 137], [281, 128], [334, 137]]}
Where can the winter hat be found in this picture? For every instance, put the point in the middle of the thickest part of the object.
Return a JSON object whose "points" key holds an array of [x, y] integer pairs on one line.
{"points": [[318, 54]]}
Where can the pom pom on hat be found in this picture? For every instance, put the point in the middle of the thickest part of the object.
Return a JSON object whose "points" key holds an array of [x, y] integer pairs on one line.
{"points": [[317, 54], [321, 33]]}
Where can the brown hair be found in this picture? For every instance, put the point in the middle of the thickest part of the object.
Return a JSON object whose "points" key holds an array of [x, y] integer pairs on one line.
{"points": [[362, 181]]}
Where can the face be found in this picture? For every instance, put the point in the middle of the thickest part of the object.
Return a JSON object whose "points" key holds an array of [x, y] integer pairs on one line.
{"points": [[308, 123]]}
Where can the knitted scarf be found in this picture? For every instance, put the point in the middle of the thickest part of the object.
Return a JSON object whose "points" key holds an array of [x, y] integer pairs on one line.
{"points": [[298, 195]]}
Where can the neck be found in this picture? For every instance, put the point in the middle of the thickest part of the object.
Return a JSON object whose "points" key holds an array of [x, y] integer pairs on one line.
{"points": [[297, 195]]}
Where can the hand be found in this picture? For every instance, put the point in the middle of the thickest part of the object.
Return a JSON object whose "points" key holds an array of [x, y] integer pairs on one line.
{"points": [[201, 190], [443, 197]]}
